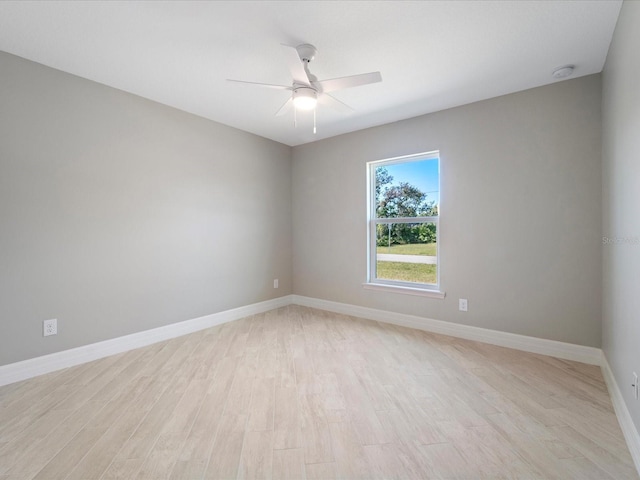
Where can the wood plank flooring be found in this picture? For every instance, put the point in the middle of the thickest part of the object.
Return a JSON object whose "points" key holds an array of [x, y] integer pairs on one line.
{"points": [[298, 393]]}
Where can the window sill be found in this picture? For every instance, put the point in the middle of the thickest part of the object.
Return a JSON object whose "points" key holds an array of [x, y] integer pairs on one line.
{"points": [[404, 290]]}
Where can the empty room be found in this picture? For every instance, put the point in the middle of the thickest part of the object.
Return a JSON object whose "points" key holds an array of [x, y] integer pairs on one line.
{"points": [[319, 239]]}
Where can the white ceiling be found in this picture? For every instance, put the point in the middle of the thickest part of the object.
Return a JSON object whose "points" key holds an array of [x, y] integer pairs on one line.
{"points": [[432, 54]]}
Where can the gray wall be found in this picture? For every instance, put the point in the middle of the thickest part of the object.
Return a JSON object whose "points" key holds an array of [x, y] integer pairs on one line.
{"points": [[621, 207], [521, 212], [118, 214]]}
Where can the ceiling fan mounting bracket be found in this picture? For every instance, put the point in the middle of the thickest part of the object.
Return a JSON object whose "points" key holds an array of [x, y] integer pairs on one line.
{"points": [[306, 52]]}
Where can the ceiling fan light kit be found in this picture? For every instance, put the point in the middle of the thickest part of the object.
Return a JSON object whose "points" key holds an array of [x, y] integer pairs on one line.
{"points": [[306, 90], [305, 98]]}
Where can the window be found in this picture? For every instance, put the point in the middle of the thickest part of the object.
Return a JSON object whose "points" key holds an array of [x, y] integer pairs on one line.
{"points": [[404, 205]]}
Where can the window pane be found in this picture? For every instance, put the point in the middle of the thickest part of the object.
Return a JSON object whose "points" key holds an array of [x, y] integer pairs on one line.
{"points": [[407, 252], [409, 189]]}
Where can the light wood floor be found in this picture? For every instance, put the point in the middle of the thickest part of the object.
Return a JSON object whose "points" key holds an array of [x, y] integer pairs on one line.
{"points": [[301, 393]]}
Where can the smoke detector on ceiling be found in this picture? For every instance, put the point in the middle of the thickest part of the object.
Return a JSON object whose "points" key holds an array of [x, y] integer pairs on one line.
{"points": [[563, 72]]}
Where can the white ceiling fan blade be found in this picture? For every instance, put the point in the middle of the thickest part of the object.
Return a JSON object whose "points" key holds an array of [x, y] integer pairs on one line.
{"points": [[348, 82], [284, 108], [295, 65], [334, 103], [267, 85]]}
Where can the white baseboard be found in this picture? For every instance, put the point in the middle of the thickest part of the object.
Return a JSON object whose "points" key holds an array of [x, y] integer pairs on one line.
{"points": [[18, 371], [568, 351], [15, 372], [622, 412]]}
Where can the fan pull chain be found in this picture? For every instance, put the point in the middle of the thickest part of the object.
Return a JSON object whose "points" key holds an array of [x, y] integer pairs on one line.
{"points": [[314, 121], [295, 117]]}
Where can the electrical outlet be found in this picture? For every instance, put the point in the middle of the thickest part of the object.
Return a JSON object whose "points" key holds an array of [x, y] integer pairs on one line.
{"points": [[49, 327], [463, 305], [275, 283], [635, 385]]}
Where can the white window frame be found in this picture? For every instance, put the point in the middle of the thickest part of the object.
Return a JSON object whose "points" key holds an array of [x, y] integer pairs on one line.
{"points": [[412, 288]]}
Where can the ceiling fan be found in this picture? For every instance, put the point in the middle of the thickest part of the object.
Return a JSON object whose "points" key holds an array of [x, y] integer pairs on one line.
{"points": [[306, 90]]}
